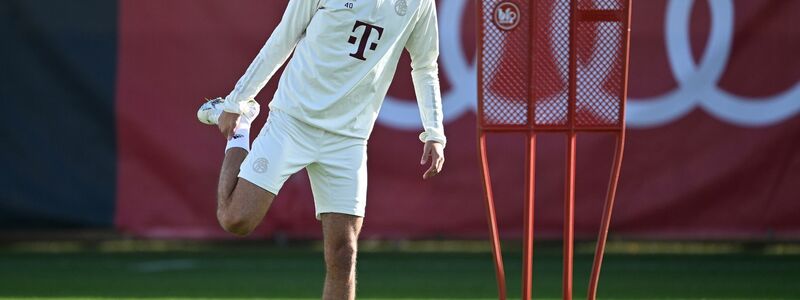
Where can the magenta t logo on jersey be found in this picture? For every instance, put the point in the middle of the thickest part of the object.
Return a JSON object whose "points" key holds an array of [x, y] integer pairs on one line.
{"points": [[362, 44]]}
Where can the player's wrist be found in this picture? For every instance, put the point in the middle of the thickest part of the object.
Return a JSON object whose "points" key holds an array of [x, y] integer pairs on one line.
{"points": [[435, 142], [426, 137]]}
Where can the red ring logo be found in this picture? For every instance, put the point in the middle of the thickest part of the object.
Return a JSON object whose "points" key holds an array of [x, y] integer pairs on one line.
{"points": [[506, 16]]}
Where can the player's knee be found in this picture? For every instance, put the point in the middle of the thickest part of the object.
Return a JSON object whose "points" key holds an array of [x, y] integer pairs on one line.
{"points": [[341, 258], [235, 223]]}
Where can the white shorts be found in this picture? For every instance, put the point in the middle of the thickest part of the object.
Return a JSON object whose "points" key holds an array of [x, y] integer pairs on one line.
{"points": [[336, 164]]}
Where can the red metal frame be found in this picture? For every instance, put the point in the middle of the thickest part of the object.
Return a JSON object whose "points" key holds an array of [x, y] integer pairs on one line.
{"points": [[622, 16]]}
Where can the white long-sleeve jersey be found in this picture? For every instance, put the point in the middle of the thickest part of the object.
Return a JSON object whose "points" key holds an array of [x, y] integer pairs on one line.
{"points": [[345, 56]]}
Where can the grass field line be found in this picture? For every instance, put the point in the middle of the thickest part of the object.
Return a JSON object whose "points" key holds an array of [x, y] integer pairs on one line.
{"points": [[189, 298], [428, 246], [293, 274]]}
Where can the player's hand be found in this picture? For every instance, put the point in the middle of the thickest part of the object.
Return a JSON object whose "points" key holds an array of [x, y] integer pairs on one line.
{"points": [[227, 123], [433, 152]]}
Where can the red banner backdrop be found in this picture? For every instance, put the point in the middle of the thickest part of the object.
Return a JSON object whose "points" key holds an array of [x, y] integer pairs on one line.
{"points": [[713, 148]]}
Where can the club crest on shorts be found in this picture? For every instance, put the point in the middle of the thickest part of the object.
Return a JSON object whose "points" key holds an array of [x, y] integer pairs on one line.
{"points": [[260, 165], [506, 15], [401, 7]]}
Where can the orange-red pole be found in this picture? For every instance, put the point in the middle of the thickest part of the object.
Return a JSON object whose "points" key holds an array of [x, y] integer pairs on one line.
{"points": [[606, 219], [569, 217], [492, 217], [527, 240], [594, 279], [569, 186]]}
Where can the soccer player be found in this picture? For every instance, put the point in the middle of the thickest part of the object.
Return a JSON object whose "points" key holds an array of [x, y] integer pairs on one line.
{"points": [[345, 55]]}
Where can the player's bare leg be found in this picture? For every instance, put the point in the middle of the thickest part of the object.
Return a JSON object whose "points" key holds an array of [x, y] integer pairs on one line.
{"points": [[340, 233], [241, 205]]}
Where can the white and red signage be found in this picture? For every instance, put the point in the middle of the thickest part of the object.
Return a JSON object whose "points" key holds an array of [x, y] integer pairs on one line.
{"points": [[713, 143]]}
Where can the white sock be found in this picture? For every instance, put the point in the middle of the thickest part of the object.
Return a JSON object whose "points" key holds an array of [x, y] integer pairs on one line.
{"points": [[241, 136], [241, 139]]}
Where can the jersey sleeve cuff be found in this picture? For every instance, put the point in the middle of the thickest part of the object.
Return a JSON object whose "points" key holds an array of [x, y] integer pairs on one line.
{"points": [[234, 107], [426, 137]]}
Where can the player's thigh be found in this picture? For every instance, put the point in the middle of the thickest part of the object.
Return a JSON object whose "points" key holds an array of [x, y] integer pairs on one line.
{"points": [[280, 150], [339, 180], [249, 201]]}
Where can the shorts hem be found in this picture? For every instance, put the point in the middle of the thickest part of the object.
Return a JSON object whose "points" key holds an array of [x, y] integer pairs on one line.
{"points": [[346, 211], [266, 187]]}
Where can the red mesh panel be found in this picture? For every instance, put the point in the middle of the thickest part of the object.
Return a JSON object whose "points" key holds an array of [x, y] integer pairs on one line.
{"points": [[601, 4], [551, 62], [599, 46], [599, 74], [525, 71], [504, 66]]}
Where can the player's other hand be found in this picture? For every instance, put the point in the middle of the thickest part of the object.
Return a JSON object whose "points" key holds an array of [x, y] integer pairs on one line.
{"points": [[433, 152], [227, 123]]}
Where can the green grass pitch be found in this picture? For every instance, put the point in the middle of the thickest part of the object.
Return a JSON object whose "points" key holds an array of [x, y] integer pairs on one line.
{"points": [[256, 272]]}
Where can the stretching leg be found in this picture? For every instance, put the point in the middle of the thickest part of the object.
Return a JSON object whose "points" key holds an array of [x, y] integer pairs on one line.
{"points": [[241, 205]]}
